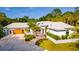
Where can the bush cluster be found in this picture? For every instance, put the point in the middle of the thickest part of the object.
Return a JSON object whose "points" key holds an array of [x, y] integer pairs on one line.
{"points": [[29, 37], [75, 36]]}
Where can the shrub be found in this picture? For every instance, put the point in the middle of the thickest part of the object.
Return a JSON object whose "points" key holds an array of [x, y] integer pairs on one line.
{"points": [[64, 37], [29, 37], [53, 36], [1, 31], [39, 42], [74, 35], [27, 30], [35, 28]]}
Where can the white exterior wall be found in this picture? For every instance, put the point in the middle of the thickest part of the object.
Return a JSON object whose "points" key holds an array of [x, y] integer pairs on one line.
{"points": [[70, 31], [59, 33]]}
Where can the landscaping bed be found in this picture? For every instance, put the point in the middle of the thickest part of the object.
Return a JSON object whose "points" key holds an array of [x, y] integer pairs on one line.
{"points": [[29, 37], [51, 46]]}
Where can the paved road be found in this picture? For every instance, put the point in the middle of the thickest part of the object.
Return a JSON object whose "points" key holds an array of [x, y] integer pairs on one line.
{"points": [[13, 44]]}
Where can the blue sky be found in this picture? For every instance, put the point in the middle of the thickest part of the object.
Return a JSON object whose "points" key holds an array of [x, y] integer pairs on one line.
{"points": [[32, 12]]}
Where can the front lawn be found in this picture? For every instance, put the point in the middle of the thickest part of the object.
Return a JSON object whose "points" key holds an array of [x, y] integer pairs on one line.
{"points": [[49, 45]]}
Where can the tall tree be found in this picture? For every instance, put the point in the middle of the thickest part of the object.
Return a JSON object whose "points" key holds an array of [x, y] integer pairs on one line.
{"points": [[76, 8], [56, 12], [76, 15], [23, 19], [2, 16], [43, 18], [1, 31], [49, 16], [68, 17]]}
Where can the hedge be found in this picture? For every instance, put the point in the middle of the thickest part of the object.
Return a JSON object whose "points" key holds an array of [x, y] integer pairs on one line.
{"points": [[53, 36], [64, 37]]}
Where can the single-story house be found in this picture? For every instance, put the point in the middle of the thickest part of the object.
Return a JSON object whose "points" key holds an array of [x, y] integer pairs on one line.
{"points": [[16, 28], [58, 28]]}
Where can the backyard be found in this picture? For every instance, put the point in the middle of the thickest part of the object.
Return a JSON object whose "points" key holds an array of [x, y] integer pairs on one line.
{"points": [[50, 46]]}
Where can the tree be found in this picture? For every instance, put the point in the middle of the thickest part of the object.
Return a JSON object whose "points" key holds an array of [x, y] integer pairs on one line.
{"points": [[5, 22], [24, 19], [76, 8], [2, 16], [68, 17], [56, 12], [15, 20], [76, 17], [43, 18], [36, 28], [1, 31], [32, 23], [49, 16], [33, 26], [76, 29]]}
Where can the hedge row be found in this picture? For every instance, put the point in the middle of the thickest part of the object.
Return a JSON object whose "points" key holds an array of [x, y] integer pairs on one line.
{"points": [[53, 36]]}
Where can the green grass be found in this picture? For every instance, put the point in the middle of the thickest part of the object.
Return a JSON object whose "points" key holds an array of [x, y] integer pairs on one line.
{"points": [[49, 45]]}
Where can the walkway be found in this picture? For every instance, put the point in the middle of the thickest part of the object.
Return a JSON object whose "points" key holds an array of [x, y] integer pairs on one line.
{"points": [[38, 37]]}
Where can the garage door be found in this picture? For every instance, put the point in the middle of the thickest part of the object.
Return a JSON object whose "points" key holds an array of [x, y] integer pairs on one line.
{"points": [[18, 31]]}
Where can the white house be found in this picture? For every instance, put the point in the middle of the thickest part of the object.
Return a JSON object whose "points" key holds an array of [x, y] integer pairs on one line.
{"points": [[58, 28], [16, 28]]}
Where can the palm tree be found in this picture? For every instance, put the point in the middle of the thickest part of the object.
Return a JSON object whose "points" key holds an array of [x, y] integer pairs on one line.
{"points": [[68, 17], [76, 17]]}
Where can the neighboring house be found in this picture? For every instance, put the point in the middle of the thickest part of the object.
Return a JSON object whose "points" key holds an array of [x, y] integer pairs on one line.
{"points": [[16, 28], [58, 28]]}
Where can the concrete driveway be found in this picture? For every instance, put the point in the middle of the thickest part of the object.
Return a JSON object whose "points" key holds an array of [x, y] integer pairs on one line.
{"points": [[12, 44]]}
